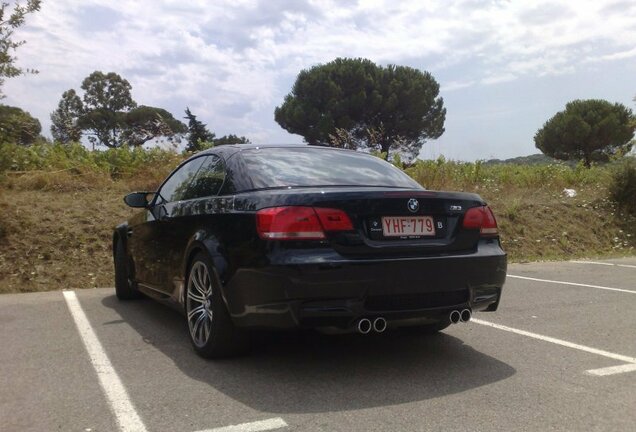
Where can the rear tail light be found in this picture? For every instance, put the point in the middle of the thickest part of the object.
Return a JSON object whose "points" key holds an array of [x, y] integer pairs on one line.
{"points": [[333, 219], [300, 223], [481, 218]]}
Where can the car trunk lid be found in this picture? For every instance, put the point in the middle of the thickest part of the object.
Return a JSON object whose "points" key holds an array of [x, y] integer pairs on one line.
{"points": [[386, 222]]}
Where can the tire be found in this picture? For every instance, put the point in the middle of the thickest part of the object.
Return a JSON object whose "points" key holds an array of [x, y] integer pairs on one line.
{"points": [[210, 327], [124, 288]]}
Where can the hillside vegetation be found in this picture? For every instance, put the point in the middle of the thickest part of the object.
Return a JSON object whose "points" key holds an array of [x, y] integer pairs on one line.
{"points": [[58, 205]]}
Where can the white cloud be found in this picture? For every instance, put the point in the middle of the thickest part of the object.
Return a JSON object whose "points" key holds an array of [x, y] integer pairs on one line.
{"points": [[619, 55], [233, 61]]}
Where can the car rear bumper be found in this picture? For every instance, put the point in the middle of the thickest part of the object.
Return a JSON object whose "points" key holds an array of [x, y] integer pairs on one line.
{"points": [[331, 291]]}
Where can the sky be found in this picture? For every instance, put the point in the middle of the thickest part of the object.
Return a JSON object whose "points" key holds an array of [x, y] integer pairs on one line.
{"points": [[504, 67]]}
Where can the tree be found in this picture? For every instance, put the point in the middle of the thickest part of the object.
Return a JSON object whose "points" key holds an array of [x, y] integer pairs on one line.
{"points": [[588, 130], [379, 108], [109, 115], [230, 139], [18, 126], [145, 123], [107, 98], [9, 22], [197, 132], [64, 120]]}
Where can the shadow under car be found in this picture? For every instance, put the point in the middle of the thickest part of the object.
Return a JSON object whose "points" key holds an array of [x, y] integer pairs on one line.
{"points": [[307, 372]]}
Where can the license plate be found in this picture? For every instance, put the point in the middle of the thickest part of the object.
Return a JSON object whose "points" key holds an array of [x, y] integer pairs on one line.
{"points": [[401, 226]]}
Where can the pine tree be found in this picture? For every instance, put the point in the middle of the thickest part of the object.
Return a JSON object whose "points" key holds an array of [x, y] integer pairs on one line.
{"points": [[198, 133]]}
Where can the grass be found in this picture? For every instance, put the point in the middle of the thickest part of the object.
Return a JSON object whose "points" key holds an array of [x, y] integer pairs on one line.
{"points": [[58, 207], [57, 240], [537, 220]]}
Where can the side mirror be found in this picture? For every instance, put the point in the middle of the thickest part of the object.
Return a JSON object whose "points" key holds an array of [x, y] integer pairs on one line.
{"points": [[137, 199]]}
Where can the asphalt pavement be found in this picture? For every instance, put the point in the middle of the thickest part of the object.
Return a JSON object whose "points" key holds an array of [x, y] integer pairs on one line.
{"points": [[560, 354]]}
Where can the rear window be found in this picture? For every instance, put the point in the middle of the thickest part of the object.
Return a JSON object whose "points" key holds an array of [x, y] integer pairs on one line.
{"points": [[280, 167]]}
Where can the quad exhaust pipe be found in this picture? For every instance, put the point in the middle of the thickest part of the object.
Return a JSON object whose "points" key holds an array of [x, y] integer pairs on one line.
{"points": [[365, 325], [457, 316], [466, 315], [379, 324]]}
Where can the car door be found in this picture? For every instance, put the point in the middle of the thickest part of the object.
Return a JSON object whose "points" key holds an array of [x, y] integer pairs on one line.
{"points": [[153, 237], [186, 216]]}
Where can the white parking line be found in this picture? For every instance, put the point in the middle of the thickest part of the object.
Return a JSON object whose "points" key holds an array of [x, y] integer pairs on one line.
{"points": [[263, 425], [113, 388], [612, 370], [604, 263], [120, 403], [572, 283]]}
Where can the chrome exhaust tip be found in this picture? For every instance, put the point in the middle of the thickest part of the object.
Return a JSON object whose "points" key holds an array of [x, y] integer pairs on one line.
{"points": [[379, 324], [465, 315], [364, 326], [455, 317]]}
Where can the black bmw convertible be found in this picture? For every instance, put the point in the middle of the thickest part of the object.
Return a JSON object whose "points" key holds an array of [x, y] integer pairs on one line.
{"points": [[243, 237]]}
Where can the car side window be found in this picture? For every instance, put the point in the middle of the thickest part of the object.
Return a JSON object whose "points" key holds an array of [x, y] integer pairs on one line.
{"points": [[209, 179], [176, 187]]}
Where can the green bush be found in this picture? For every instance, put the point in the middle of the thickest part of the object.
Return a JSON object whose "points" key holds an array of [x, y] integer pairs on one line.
{"points": [[57, 165], [125, 162], [17, 125], [623, 186], [441, 174], [76, 159]]}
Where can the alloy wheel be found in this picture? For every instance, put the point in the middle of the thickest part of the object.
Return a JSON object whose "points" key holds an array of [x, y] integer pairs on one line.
{"points": [[199, 303]]}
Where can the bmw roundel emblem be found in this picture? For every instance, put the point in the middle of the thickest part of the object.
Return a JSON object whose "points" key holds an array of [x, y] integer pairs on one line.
{"points": [[413, 205]]}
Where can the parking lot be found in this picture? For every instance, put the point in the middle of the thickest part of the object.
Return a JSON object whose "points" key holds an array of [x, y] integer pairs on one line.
{"points": [[560, 354]]}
